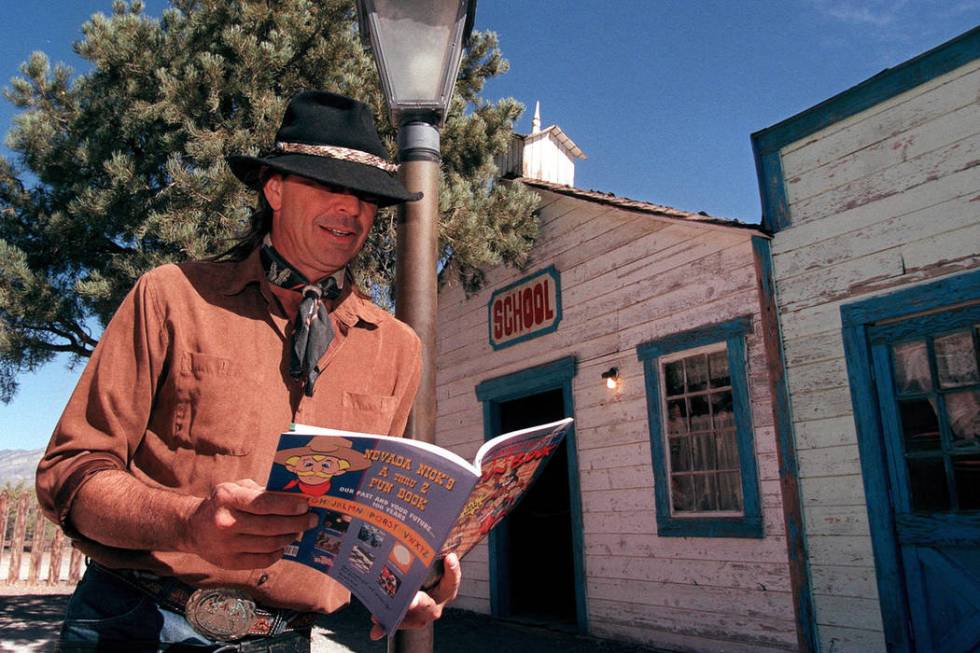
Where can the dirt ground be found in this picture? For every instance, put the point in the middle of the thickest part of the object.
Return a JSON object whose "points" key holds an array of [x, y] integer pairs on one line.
{"points": [[30, 619]]}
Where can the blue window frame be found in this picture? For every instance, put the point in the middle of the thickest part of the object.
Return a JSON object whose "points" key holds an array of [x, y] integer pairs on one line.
{"points": [[705, 473]]}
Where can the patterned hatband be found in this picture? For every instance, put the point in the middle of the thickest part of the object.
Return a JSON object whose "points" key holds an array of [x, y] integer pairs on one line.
{"points": [[342, 153]]}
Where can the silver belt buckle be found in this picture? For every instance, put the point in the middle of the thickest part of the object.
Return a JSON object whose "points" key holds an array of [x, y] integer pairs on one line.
{"points": [[220, 613]]}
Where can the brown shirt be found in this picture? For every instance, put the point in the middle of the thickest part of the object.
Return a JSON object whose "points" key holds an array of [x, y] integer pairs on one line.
{"points": [[189, 388]]}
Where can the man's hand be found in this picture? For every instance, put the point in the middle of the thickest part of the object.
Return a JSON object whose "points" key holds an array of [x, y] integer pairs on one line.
{"points": [[241, 526], [427, 606]]}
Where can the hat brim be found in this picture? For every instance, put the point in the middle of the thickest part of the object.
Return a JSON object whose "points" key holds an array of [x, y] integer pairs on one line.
{"points": [[346, 174], [355, 459]]}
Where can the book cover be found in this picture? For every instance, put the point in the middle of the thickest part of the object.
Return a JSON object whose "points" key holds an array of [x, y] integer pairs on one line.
{"points": [[390, 508]]}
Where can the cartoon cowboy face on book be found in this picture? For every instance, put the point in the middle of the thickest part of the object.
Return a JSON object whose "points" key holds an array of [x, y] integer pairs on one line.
{"points": [[318, 462]]}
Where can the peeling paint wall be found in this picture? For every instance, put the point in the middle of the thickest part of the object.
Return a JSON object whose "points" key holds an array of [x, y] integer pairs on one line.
{"points": [[883, 199], [628, 278]]}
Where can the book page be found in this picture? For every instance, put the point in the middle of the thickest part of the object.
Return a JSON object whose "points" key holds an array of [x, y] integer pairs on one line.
{"points": [[384, 508], [509, 465]]}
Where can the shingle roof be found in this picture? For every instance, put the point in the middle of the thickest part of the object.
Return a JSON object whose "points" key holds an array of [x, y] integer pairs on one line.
{"points": [[638, 206]]}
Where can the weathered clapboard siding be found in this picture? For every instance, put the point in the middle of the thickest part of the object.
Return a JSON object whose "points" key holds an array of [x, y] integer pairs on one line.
{"points": [[843, 581], [926, 197], [641, 545], [849, 612], [703, 628], [628, 278], [835, 639], [941, 134], [667, 638], [711, 600], [897, 232], [938, 97], [884, 198]]}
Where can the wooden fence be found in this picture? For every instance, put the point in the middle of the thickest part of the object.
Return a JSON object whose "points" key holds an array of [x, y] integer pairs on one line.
{"points": [[32, 550]]}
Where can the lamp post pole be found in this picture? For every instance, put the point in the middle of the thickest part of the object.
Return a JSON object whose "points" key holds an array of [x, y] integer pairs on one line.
{"points": [[416, 293], [418, 45], [416, 296]]}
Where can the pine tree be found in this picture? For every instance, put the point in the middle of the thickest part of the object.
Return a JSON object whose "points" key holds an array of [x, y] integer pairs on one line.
{"points": [[122, 168]]}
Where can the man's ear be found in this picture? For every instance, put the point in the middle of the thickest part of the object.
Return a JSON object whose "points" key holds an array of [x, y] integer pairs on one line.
{"points": [[272, 188]]}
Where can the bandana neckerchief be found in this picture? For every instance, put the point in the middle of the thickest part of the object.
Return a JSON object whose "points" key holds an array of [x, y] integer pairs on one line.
{"points": [[312, 331]]}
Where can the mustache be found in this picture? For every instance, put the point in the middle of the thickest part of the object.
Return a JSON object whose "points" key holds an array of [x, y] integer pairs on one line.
{"points": [[341, 223], [317, 474]]}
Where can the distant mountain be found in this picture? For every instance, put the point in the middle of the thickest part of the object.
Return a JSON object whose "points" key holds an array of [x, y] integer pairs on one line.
{"points": [[18, 465]]}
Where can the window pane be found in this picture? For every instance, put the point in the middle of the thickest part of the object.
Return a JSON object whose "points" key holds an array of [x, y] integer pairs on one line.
{"points": [[718, 369], [676, 416], [729, 491], [956, 360], [680, 454], [682, 493], [674, 378], [703, 452], [697, 372], [727, 445], [700, 415], [721, 410], [927, 484], [701, 435], [912, 367], [706, 498], [920, 426], [966, 471], [963, 411]]}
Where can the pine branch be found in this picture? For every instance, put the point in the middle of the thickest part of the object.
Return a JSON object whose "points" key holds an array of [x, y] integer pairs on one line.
{"points": [[73, 348]]}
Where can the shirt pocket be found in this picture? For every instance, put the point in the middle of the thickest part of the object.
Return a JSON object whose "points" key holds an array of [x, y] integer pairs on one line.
{"points": [[215, 411], [368, 413]]}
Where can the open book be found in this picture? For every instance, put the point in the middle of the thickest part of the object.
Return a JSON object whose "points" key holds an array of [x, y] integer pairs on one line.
{"points": [[391, 508]]}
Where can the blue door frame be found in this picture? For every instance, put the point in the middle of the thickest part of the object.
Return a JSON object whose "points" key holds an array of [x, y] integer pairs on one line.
{"points": [[556, 375], [859, 320]]}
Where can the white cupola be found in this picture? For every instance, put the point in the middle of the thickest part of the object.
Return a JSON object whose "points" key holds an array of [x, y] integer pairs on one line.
{"points": [[545, 154]]}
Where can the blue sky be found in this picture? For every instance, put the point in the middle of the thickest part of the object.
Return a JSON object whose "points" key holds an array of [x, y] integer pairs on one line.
{"points": [[661, 95]]}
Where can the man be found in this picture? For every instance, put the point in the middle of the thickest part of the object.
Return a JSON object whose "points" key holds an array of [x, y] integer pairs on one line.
{"points": [[155, 468]]}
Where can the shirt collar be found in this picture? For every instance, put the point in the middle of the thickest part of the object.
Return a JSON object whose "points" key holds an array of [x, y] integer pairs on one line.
{"points": [[351, 308]]}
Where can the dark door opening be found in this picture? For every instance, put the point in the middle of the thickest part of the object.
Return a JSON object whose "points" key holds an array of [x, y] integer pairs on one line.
{"points": [[537, 545]]}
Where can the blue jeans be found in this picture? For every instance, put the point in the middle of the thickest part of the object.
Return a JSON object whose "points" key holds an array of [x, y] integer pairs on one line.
{"points": [[107, 614]]}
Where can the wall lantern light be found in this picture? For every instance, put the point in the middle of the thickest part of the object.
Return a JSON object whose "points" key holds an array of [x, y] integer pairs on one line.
{"points": [[612, 378]]}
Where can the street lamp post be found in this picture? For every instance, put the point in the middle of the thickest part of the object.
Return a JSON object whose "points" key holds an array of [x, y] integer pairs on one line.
{"points": [[418, 46]]}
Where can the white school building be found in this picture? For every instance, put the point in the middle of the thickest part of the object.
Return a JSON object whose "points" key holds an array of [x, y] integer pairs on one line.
{"points": [[777, 435]]}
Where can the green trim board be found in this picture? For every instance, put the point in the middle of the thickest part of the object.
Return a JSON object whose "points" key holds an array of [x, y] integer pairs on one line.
{"points": [[557, 374], [925, 298], [861, 337], [767, 143], [775, 205], [796, 543], [749, 524]]}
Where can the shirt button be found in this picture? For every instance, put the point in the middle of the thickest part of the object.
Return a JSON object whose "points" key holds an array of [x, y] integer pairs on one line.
{"points": [[262, 579]]}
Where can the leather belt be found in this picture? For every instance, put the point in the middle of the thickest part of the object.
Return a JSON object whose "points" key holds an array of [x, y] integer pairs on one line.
{"points": [[219, 613]]}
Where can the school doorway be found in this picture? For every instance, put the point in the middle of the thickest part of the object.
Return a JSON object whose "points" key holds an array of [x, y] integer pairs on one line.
{"points": [[536, 570], [538, 533]]}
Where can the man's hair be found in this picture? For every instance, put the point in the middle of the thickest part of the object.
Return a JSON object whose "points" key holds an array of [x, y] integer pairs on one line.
{"points": [[259, 224]]}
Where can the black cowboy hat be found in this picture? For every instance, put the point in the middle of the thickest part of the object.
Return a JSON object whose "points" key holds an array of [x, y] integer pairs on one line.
{"points": [[331, 139]]}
